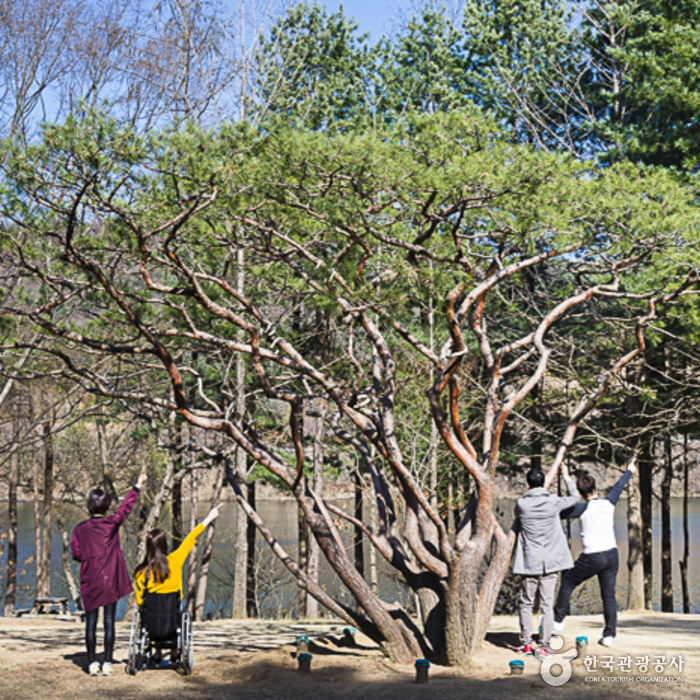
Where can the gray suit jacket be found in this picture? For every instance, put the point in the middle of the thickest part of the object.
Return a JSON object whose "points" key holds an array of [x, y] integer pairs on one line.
{"points": [[542, 547]]}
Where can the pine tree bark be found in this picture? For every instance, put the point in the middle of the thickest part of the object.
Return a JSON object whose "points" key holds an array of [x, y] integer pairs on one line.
{"points": [[176, 528], [666, 543], [241, 545], [635, 556], [635, 523], [239, 606], [192, 558], [44, 586], [686, 531], [103, 448], [65, 559], [373, 571], [207, 551], [646, 470], [358, 535], [303, 559], [38, 559], [11, 577], [251, 592], [314, 553]]}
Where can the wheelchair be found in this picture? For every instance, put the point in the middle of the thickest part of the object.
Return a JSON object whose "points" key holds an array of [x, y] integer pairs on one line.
{"points": [[159, 624]]}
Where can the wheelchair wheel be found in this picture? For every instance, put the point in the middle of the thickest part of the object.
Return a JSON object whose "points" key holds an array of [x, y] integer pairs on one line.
{"points": [[186, 650], [135, 658]]}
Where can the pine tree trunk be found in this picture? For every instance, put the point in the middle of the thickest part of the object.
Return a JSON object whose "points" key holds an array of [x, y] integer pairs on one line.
{"points": [[536, 441], [314, 562], [686, 531], [303, 558], [46, 514], [65, 559], [434, 434], [38, 559], [192, 558], [635, 556], [176, 528], [251, 593], [21, 409], [635, 522], [358, 535], [373, 572], [666, 560], [11, 585], [103, 449], [161, 498], [206, 553], [239, 606], [646, 470]]}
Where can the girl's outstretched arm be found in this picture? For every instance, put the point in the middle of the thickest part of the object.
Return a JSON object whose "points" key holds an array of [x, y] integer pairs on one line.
{"points": [[127, 505], [177, 558]]}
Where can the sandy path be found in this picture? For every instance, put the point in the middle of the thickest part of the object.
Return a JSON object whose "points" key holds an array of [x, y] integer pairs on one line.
{"points": [[256, 660]]}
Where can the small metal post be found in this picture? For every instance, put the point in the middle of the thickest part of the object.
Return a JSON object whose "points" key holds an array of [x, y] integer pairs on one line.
{"points": [[517, 667], [422, 666], [304, 663]]}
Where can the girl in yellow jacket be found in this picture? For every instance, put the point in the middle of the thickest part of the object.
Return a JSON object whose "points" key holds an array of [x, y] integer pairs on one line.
{"points": [[160, 572]]}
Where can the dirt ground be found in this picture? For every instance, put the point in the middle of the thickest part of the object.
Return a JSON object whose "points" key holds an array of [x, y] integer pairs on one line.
{"points": [[45, 658]]}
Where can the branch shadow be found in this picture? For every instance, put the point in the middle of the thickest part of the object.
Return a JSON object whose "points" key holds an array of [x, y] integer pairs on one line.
{"points": [[504, 640]]}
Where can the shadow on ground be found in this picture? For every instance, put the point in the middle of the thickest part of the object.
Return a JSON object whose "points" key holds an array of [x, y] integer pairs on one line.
{"points": [[504, 640], [267, 682]]}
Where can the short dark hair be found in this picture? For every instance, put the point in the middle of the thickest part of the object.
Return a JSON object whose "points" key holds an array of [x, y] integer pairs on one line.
{"points": [[98, 502], [535, 478], [586, 484]]}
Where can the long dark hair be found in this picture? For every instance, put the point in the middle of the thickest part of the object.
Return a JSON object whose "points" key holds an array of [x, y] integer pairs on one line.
{"points": [[155, 563]]}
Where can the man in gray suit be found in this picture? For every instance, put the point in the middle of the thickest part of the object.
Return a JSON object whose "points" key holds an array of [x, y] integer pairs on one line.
{"points": [[541, 552]]}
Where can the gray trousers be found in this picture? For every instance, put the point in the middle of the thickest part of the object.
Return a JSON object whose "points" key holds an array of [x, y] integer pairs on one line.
{"points": [[529, 586]]}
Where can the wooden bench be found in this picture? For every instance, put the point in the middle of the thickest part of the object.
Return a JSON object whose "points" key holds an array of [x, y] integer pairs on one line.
{"points": [[45, 605], [55, 606]]}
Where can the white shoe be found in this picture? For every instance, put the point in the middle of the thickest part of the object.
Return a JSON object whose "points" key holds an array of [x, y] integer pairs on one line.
{"points": [[107, 669], [558, 626], [94, 668], [606, 641]]}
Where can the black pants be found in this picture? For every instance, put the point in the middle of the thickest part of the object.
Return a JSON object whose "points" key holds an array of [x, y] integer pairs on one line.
{"points": [[601, 564], [91, 632]]}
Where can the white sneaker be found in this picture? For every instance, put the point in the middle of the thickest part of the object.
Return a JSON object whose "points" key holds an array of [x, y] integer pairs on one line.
{"points": [[107, 669], [558, 626], [606, 641], [94, 668]]}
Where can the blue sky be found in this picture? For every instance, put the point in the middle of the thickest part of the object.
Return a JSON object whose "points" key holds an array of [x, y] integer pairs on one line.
{"points": [[374, 16]]}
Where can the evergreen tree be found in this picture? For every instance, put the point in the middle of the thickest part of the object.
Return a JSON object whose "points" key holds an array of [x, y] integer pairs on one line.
{"points": [[518, 54], [315, 69], [661, 124], [424, 67]]}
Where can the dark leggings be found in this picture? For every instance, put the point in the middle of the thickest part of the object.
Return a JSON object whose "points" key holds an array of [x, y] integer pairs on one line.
{"points": [[91, 632], [604, 565]]}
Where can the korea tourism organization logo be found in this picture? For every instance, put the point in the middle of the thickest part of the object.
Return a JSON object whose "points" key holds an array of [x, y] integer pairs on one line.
{"points": [[634, 669], [557, 667], [561, 661]]}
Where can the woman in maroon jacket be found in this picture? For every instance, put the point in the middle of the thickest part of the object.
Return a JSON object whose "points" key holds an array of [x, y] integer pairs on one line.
{"points": [[104, 578]]}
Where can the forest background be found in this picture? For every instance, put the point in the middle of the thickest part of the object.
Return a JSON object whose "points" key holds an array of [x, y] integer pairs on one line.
{"points": [[244, 241]]}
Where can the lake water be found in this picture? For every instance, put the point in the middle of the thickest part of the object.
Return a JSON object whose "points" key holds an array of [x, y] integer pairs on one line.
{"points": [[277, 590]]}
